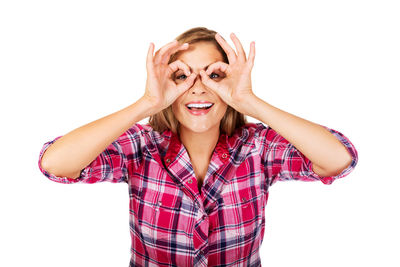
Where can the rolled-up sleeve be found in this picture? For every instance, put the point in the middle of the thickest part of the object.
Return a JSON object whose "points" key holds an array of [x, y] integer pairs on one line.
{"points": [[115, 164], [282, 161]]}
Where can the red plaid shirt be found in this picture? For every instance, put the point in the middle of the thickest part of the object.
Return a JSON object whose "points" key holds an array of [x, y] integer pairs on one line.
{"points": [[171, 222]]}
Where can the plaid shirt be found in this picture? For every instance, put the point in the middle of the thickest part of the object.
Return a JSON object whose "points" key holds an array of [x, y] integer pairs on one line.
{"points": [[171, 222]]}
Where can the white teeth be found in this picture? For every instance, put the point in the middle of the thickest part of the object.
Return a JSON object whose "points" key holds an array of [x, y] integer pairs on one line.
{"points": [[199, 105]]}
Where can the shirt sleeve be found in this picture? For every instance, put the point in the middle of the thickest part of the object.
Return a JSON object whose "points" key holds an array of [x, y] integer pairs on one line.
{"points": [[115, 164], [282, 161]]}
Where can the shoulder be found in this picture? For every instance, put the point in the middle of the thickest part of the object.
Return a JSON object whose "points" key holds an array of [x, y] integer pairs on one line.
{"points": [[266, 134], [137, 127], [250, 130], [137, 132], [143, 129], [243, 136], [147, 135]]}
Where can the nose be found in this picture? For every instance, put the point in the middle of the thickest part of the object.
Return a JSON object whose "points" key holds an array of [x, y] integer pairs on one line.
{"points": [[198, 87]]}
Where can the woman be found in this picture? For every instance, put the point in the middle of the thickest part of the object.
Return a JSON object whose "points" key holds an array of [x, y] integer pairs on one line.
{"points": [[198, 172]]}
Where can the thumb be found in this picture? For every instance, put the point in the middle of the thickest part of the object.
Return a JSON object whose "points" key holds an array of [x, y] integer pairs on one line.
{"points": [[186, 84], [207, 81]]}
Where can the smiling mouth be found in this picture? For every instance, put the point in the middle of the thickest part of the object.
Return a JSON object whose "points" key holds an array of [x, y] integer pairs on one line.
{"points": [[198, 109]]}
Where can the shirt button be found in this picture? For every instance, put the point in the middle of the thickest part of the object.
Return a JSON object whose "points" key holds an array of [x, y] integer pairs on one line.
{"points": [[243, 199], [190, 180], [168, 160], [224, 155]]}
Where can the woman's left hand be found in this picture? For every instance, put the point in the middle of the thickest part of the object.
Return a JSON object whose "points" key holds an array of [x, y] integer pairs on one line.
{"points": [[235, 88]]}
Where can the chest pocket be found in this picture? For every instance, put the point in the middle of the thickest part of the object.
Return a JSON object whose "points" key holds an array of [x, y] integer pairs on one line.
{"points": [[242, 207], [165, 218], [251, 216]]}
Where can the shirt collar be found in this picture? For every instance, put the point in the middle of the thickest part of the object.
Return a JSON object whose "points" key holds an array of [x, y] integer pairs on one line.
{"points": [[175, 145]]}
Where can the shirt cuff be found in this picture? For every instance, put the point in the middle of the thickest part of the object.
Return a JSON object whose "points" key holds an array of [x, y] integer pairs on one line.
{"points": [[60, 179], [350, 148]]}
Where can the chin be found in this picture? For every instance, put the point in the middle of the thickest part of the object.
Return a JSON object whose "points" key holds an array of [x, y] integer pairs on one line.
{"points": [[199, 127]]}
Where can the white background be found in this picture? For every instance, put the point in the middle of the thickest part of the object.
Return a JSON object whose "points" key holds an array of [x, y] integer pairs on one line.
{"points": [[66, 63]]}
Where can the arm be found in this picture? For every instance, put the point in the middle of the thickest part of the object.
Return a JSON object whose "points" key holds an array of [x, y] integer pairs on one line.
{"points": [[68, 155], [328, 155], [94, 142]]}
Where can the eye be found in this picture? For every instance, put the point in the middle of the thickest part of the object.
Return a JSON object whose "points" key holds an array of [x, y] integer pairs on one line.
{"points": [[214, 74], [179, 76]]}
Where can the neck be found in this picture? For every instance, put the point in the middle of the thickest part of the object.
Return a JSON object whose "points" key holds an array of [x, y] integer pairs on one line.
{"points": [[199, 144]]}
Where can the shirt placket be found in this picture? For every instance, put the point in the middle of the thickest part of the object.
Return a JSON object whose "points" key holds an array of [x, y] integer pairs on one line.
{"points": [[177, 163]]}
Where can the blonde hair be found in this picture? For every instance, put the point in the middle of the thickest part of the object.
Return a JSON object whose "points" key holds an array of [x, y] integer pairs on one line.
{"points": [[166, 119]]}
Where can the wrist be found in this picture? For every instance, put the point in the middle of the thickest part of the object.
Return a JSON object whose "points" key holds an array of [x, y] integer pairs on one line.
{"points": [[247, 105], [151, 103], [145, 107]]}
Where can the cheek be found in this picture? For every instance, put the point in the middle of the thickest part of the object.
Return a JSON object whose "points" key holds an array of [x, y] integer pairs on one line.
{"points": [[177, 103], [222, 110], [176, 109]]}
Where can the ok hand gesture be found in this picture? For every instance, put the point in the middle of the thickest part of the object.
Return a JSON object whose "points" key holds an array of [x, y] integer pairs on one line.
{"points": [[161, 91], [235, 88]]}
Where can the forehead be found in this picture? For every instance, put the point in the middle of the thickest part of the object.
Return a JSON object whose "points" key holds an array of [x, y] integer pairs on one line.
{"points": [[200, 54]]}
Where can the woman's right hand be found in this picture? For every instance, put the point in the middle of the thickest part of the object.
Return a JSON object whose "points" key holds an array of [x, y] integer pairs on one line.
{"points": [[161, 89]]}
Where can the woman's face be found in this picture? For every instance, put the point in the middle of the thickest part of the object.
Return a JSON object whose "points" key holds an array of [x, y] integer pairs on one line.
{"points": [[198, 56]]}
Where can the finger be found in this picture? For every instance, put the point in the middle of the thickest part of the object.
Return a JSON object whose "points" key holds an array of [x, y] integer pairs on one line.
{"points": [[219, 65], [227, 48], [160, 52], [239, 47], [187, 83], [149, 59], [178, 65], [207, 81], [172, 50], [252, 54], [165, 47]]}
